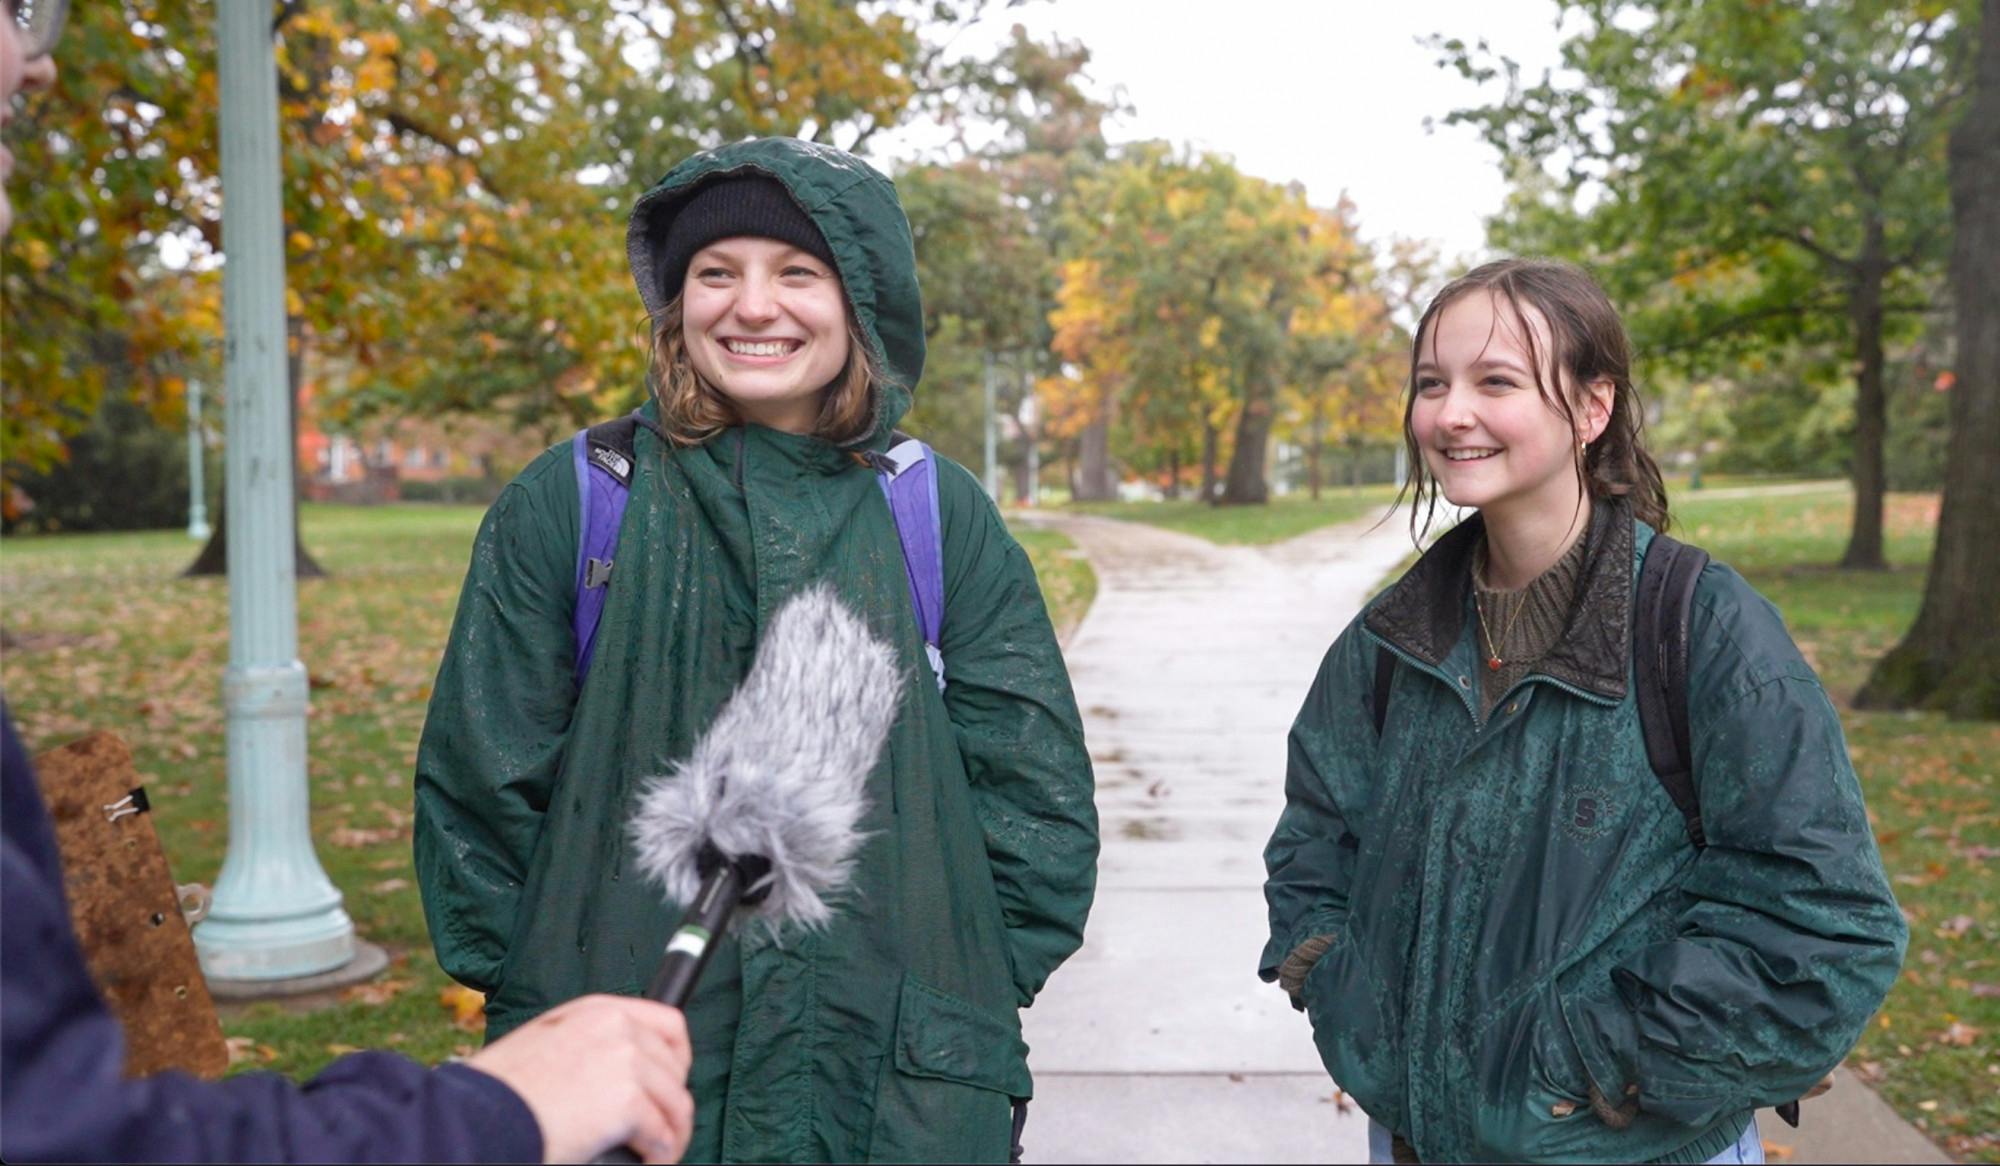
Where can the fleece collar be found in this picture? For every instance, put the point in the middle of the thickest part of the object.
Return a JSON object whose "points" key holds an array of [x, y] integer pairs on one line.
{"points": [[1424, 613]]}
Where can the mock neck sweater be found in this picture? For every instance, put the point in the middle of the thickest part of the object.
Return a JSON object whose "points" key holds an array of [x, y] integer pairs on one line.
{"points": [[1520, 626]]}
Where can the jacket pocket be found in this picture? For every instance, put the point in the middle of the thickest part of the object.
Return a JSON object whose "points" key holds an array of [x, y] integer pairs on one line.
{"points": [[1533, 1098], [947, 1091], [1357, 1031]]}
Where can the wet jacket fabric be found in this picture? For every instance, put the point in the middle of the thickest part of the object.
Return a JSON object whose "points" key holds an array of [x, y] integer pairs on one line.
{"points": [[894, 1034], [64, 1095], [1517, 910]]}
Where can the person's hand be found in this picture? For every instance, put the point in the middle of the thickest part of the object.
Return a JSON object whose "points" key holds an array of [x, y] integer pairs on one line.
{"points": [[600, 1072], [1297, 966]]}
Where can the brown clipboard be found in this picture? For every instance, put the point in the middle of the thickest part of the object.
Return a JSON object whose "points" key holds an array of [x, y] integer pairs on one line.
{"points": [[124, 905]]}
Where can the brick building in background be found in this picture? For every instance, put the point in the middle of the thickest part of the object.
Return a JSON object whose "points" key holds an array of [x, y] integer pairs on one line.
{"points": [[459, 459]]}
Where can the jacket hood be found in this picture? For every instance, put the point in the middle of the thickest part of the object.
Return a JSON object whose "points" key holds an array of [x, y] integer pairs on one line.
{"points": [[855, 207]]}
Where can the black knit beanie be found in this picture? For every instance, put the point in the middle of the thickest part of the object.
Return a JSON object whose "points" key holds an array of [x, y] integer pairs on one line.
{"points": [[727, 208]]}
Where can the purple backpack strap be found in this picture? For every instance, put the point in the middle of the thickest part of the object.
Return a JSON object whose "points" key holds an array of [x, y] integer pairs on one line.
{"points": [[603, 483], [909, 482]]}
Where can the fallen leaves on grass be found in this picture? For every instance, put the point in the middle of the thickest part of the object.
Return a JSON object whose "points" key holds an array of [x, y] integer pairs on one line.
{"points": [[243, 1049], [378, 992], [1955, 927], [467, 1008], [1959, 1035], [355, 837]]}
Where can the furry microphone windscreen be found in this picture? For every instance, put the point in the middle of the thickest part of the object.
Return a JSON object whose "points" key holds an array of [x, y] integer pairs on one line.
{"points": [[782, 770]]}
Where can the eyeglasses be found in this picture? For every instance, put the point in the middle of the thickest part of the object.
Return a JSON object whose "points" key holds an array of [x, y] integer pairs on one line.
{"points": [[40, 23]]}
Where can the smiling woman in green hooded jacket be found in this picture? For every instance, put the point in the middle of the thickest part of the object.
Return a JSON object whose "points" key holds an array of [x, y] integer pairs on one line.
{"points": [[788, 336]]}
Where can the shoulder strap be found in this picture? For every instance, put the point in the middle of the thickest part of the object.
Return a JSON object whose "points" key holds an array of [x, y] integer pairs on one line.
{"points": [[603, 457], [1378, 696], [908, 475], [1660, 648]]}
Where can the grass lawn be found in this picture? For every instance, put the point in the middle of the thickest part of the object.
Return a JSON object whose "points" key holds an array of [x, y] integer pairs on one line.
{"points": [[1068, 583], [1933, 789], [1282, 518], [106, 637]]}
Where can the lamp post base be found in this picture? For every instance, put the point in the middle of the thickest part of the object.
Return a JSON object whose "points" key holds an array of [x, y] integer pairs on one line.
{"points": [[369, 961]]}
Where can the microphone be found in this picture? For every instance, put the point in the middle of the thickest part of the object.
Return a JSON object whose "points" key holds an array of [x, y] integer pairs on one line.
{"points": [[765, 812]]}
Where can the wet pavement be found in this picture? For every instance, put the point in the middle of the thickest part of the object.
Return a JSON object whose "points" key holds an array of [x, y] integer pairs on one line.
{"points": [[1157, 1042]]}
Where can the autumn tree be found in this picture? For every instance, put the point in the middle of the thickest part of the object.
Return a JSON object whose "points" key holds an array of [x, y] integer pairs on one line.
{"points": [[990, 233], [1221, 291], [1138, 322], [1347, 356], [456, 178], [1745, 169], [1950, 659]]}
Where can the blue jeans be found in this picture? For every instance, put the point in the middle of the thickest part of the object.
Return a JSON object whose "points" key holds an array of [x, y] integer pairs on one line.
{"points": [[1748, 1148]]}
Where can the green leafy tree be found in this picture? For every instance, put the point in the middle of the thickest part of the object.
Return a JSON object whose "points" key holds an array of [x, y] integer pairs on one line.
{"points": [[1950, 659], [1750, 174]]}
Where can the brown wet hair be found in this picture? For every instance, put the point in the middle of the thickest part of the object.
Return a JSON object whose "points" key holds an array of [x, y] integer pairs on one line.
{"points": [[1590, 345]]}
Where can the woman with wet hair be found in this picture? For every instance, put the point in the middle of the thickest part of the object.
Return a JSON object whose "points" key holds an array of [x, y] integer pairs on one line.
{"points": [[1512, 943]]}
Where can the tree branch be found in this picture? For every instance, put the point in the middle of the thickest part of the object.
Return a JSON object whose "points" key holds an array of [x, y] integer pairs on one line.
{"points": [[404, 123], [1743, 321], [1798, 237]]}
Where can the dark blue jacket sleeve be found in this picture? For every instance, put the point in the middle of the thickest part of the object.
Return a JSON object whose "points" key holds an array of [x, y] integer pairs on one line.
{"points": [[63, 1096]]}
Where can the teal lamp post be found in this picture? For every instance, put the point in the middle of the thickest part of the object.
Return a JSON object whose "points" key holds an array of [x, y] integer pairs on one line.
{"points": [[198, 528], [275, 915]]}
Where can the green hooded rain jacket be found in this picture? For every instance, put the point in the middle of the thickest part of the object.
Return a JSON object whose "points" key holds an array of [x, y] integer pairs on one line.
{"points": [[892, 1035], [1517, 910]]}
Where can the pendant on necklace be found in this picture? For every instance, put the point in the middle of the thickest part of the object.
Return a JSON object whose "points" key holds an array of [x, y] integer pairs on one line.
{"points": [[1493, 663]]}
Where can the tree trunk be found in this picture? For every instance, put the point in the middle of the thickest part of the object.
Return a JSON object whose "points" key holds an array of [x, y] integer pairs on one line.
{"points": [[1245, 485], [1951, 658], [214, 556], [1318, 445], [1093, 478], [1871, 419], [1208, 440], [1173, 490]]}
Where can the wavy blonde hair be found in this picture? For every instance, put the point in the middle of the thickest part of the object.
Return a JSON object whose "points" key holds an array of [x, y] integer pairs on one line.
{"points": [[692, 410]]}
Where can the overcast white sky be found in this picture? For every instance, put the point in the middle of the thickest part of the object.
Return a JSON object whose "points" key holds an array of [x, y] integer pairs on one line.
{"points": [[1332, 94]]}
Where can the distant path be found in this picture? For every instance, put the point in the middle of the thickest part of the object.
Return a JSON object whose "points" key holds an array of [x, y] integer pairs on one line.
{"points": [[1157, 1043], [1824, 486]]}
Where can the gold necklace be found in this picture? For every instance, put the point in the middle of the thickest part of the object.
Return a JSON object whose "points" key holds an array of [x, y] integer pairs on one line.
{"points": [[1494, 661]]}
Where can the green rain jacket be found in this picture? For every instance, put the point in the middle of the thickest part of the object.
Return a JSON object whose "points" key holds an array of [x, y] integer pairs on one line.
{"points": [[894, 1033], [1517, 910]]}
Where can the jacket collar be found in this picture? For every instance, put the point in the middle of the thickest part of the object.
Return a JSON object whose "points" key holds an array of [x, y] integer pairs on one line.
{"points": [[1424, 613]]}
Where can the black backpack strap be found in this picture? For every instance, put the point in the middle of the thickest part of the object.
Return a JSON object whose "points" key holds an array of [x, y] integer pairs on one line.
{"points": [[612, 442], [1378, 697], [1660, 650]]}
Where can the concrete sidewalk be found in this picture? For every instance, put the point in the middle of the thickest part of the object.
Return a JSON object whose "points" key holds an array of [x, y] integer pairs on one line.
{"points": [[1156, 1042]]}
